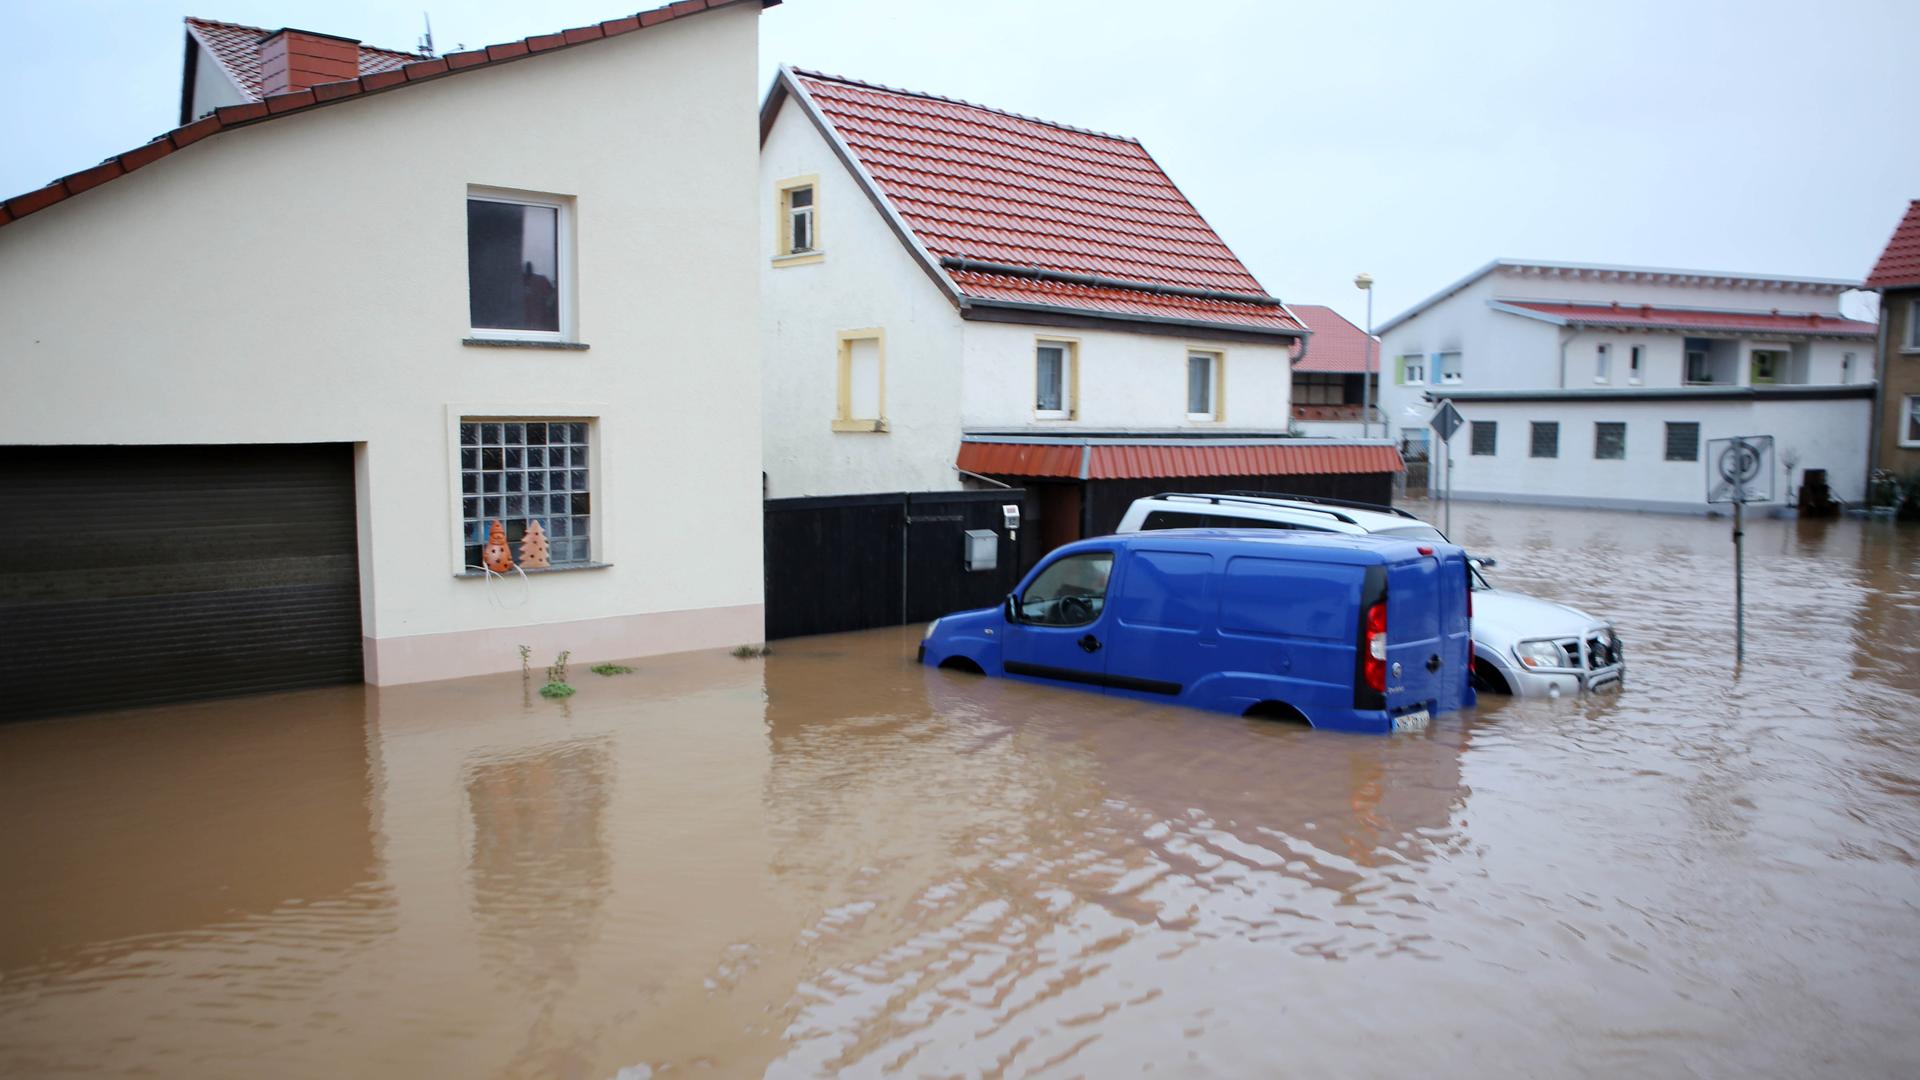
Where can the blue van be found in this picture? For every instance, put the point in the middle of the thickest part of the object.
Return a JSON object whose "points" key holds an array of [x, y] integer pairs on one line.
{"points": [[1356, 633]]}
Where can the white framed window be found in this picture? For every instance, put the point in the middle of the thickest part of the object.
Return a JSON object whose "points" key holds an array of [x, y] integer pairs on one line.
{"points": [[515, 471], [1056, 379], [1846, 368], [1412, 370], [1699, 367], [1913, 327], [797, 221], [1768, 365], [1447, 368], [1636, 364], [862, 381], [519, 265], [1204, 385], [1602, 363], [1910, 421]]}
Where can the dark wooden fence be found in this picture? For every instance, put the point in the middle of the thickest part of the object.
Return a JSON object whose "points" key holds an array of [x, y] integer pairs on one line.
{"points": [[850, 562]]}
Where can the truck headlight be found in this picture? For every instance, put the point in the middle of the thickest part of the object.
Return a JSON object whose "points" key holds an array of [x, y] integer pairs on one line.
{"points": [[931, 627], [1539, 654]]}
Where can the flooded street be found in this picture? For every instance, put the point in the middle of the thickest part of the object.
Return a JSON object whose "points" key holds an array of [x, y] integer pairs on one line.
{"points": [[833, 861]]}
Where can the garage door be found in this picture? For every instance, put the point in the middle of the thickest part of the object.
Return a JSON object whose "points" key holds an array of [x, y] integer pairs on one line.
{"points": [[143, 575]]}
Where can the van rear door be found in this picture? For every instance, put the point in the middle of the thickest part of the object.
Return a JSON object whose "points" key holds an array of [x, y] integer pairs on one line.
{"points": [[1456, 631], [1417, 662]]}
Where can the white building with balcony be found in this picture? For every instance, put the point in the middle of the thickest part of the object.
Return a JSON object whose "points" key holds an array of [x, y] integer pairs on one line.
{"points": [[1601, 385]]}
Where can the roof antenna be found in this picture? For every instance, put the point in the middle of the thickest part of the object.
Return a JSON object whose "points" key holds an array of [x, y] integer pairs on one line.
{"points": [[426, 39]]}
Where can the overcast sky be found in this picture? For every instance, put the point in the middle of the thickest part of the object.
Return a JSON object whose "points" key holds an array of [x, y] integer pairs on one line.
{"points": [[1413, 140]]}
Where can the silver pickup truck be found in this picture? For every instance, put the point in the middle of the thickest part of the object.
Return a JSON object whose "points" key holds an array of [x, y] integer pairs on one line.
{"points": [[1522, 645]]}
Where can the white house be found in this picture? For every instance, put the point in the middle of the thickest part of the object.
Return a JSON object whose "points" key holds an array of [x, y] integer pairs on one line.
{"points": [[951, 292], [1601, 385], [270, 379]]}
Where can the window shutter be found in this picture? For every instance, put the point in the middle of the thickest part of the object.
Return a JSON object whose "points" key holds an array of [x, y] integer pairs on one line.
{"points": [[1399, 371]]}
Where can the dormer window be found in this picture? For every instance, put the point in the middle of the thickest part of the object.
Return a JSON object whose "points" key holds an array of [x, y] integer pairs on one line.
{"points": [[798, 221]]}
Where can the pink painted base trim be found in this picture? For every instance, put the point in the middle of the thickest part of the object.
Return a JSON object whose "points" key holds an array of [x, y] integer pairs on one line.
{"points": [[426, 657]]}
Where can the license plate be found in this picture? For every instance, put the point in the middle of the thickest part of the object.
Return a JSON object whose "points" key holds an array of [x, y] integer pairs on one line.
{"points": [[1413, 721]]}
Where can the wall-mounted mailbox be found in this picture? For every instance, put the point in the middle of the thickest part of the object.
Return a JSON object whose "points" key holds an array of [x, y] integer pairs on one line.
{"points": [[983, 549]]}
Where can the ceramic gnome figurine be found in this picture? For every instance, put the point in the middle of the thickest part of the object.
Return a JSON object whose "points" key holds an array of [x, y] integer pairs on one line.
{"points": [[533, 547], [496, 557]]}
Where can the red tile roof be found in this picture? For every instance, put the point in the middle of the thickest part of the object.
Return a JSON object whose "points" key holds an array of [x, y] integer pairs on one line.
{"points": [[1339, 347], [238, 50], [1899, 264], [979, 184], [1648, 317], [416, 70], [1154, 458]]}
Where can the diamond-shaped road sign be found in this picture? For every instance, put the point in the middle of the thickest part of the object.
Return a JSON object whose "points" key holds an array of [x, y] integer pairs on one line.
{"points": [[1446, 420]]}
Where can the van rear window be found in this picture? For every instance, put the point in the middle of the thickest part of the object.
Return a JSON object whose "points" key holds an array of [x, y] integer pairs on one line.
{"points": [[1181, 519], [1277, 597]]}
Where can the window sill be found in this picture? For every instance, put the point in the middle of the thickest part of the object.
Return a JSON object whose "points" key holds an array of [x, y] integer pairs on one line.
{"points": [[1910, 350], [569, 568], [878, 426], [524, 343], [1053, 418], [801, 258]]}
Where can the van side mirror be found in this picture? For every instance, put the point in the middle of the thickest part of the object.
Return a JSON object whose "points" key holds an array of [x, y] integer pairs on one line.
{"points": [[1012, 607], [1483, 562]]}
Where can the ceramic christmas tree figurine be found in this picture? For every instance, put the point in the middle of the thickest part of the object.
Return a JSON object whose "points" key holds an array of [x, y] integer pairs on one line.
{"points": [[496, 557], [533, 547]]}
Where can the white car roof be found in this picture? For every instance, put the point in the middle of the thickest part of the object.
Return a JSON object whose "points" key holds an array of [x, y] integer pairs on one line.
{"points": [[1333, 518]]}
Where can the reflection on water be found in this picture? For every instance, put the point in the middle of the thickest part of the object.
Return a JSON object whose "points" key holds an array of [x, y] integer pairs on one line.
{"points": [[833, 861]]}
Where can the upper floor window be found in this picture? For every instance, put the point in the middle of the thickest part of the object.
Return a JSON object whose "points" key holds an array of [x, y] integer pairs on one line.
{"points": [[1054, 378], [1602, 363], [518, 263], [862, 396], [1485, 432], [1768, 364], [1447, 367], [799, 217], [1910, 421], [1203, 385], [1412, 370], [1846, 368], [1636, 364], [1319, 389], [1913, 326]]}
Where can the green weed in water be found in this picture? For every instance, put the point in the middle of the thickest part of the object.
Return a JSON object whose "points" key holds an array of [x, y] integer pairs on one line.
{"points": [[752, 652], [611, 669], [556, 690]]}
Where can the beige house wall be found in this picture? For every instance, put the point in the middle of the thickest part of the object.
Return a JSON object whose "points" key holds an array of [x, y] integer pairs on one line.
{"points": [[305, 280]]}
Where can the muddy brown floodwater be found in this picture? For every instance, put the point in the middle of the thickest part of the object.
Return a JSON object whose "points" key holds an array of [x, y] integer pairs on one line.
{"points": [[835, 862]]}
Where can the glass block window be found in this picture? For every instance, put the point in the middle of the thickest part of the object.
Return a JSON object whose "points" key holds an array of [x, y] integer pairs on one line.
{"points": [[1683, 442], [1485, 432], [1546, 438], [1609, 440], [516, 471]]}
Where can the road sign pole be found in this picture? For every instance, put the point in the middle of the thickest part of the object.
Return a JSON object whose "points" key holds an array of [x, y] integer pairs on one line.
{"points": [[1446, 451], [1739, 589]]}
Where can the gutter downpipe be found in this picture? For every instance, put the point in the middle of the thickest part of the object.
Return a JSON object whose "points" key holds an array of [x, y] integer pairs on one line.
{"points": [[1881, 358]]}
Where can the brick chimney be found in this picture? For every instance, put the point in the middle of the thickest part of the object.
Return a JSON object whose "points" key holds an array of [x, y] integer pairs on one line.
{"points": [[292, 60]]}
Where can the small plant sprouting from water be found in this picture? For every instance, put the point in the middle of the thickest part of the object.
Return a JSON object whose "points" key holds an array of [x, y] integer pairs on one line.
{"points": [[526, 653], [751, 652], [557, 678], [611, 669]]}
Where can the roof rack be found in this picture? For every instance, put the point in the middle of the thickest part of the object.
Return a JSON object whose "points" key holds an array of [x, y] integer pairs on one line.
{"points": [[1239, 499], [1375, 507]]}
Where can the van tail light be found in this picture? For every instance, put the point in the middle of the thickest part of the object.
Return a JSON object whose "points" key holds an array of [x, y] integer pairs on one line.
{"points": [[1374, 664]]}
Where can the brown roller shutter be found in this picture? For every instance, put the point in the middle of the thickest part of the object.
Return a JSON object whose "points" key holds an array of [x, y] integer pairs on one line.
{"points": [[138, 575]]}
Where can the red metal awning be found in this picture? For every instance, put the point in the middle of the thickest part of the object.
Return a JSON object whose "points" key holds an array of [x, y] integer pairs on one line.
{"points": [[1147, 459]]}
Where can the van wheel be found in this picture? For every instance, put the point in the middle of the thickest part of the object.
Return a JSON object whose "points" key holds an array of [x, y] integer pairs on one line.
{"points": [[961, 663], [1486, 679], [1278, 711]]}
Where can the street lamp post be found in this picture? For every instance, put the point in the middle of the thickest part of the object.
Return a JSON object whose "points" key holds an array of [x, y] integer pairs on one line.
{"points": [[1364, 282]]}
